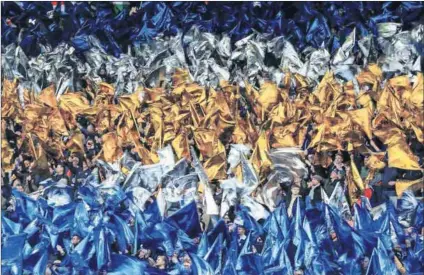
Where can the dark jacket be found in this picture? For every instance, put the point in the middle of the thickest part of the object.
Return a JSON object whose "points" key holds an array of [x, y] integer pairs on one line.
{"points": [[330, 185], [317, 194]]}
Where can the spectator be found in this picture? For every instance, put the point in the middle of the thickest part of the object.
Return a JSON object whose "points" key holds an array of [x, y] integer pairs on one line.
{"points": [[314, 189]]}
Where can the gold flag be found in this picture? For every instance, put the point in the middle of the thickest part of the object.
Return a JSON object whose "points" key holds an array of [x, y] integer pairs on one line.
{"points": [[41, 165], [402, 185], [373, 68], [375, 161], [131, 102], [417, 94], [6, 156], [268, 96], [318, 137], [362, 118], [146, 156], [401, 157], [208, 143], [215, 167], [57, 123], [47, 97], [74, 103], [76, 143], [106, 89], [260, 158], [356, 177], [180, 145], [111, 150]]}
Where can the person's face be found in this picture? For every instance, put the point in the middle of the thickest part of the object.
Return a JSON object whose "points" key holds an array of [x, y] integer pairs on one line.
{"points": [[75, 161], [226, 219], [90, 145], [365, 263], [315, 182], [84, 165], [334, 175], [338, 159], [26, 163], [16, 182], [20, 188], [160, 261], [75, 240], [144, 253], [311, 158], [295, 190], [187, 264], [59, 169], [241, 231]]}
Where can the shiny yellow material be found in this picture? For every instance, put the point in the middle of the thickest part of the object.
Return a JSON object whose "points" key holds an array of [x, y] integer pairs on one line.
{"points": [[401, 157], [402, 185], [6, 156], [191, 114], [111, 150]]}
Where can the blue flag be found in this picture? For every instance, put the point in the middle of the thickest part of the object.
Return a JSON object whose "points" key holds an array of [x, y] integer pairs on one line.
{"points": [[187, 219], [203, 247], [214, 255], [121, 264], [200, 266], [12, 253], [8, 227]]}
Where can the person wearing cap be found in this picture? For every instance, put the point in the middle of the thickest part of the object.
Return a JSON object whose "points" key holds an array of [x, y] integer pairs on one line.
{"points": [[330, 185], [314, 189]]}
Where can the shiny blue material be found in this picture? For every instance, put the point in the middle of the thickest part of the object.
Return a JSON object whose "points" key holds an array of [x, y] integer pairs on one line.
{"points": [[122, 264], [187, 219], [304, 24]]}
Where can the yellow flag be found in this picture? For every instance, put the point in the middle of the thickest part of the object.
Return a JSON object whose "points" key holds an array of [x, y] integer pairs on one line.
{"points": [[180, 77], [34, 112], [130, 102], [41, 164], [356, 177], [362, 118], [402, 185], [318, 137], [215, 167], [146, 156], [268, 95], [111, 150], [47, 96], [375, 161], [260, 158], [180, 146], [74, 103], [57, 123], [7, 156], [208, 143], [106, 89], [401, 157], [417, 94], [240, 135], [76, 143], [373, 68]]}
